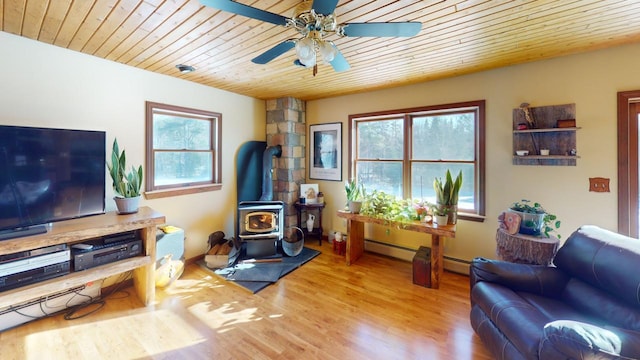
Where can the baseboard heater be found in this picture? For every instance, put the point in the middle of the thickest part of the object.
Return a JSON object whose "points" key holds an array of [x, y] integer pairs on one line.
{"points": [[451, 264], [19, 314]]}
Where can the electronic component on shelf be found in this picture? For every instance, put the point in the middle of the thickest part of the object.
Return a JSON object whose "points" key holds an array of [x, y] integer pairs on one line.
{"points": [[100, 254], [33, 269]]}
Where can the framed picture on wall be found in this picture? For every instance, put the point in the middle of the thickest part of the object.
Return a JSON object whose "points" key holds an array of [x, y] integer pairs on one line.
{"points": [[325, 151]]}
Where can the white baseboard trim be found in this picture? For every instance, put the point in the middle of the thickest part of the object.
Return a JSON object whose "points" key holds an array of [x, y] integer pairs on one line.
{"points": [[451, 264]]}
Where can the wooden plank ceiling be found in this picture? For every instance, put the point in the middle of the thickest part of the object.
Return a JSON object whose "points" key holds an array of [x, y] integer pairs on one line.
{"points": [[457, 37]]}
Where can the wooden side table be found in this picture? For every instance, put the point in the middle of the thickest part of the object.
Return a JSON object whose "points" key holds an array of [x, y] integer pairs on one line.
{"points": [[317, 225], [525, 249], [355, 242]]}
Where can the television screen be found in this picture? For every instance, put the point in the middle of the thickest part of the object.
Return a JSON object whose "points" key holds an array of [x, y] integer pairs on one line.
{"points": [[49, 175]]}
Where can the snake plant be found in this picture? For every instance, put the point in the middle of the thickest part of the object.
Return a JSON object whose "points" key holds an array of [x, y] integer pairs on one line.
{"points": [[447, 191], [125, 184]]}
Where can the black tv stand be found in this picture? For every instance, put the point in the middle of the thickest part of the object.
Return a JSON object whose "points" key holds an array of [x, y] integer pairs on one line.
{"points": [[20, 232]]}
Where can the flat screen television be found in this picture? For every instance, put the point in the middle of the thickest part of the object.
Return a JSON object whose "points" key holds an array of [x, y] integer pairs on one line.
{"points": [[49, 175]]}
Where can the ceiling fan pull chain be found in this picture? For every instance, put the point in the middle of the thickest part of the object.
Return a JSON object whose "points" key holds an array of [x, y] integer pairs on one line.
{"points": [[315, 69]]}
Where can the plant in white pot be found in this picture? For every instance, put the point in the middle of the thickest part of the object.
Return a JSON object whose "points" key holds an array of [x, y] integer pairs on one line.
{"points": [[355, 194], [535, 220], [127, 185], [447, 194], [440, 214]]}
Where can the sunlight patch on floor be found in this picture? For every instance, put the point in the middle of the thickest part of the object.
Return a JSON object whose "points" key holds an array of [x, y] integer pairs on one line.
{"points": [[225, 317], [155, 332]]}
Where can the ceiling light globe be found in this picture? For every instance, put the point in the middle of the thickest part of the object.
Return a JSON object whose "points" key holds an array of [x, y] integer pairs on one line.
{"points": [[328, 51], [308, 61], [305, 50]]}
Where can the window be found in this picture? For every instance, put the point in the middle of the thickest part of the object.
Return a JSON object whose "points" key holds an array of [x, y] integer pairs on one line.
{"points": [[183, 151], [401, 152]]}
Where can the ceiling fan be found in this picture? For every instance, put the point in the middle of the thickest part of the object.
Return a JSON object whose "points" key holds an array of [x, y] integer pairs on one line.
{"points": [[315, 20]]}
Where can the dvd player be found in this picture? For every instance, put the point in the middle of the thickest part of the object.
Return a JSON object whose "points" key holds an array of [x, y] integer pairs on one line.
{"points": [[30, 253], [34, 262], [104, 254], [32, 276]]}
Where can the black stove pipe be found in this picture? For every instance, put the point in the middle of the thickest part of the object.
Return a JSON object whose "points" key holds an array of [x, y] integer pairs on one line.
{"points": [[267, 171]]}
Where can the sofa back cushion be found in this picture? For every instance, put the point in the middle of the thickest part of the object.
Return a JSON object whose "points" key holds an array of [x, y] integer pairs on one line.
{"points": [[600, 305], [605, 260]]}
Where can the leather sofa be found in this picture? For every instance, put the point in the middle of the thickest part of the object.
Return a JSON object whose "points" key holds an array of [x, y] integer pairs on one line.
{"points": [[585, 306]]}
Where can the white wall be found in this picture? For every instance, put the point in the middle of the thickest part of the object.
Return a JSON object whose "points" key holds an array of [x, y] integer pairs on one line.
{"points": [[589, 80], [44, 85]]}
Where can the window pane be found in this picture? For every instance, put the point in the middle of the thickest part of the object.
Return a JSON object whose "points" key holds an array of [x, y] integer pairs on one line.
{"points": [[426, 173], [179, 133], [380, 139], [444, 137], [381, 176], [182, 167]]}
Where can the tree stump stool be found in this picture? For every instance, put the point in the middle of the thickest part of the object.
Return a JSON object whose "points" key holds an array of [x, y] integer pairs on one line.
{"points": [[525, 249]]}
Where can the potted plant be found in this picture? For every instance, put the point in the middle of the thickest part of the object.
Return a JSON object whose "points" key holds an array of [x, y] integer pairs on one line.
{"points": [[447, 194], [355, 194], [536, 220], [440, 214], [127, 185]]}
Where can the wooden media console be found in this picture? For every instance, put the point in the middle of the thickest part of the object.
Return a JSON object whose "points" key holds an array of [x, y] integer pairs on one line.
{"points": [[78, 230]]}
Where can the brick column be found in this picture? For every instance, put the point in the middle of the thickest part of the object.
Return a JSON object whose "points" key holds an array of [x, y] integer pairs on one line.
{"points": [[286, 126]]}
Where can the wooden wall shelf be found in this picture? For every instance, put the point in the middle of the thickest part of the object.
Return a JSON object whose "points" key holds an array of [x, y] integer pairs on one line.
{"points": [[559, 141]]}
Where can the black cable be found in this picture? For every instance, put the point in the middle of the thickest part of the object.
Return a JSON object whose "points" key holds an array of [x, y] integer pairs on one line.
{"points": [[73, 312], [99, 302], [42, 303]]}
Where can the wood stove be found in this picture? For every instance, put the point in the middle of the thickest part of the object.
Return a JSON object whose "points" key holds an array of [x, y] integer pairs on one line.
{"points": [[261, 227]]}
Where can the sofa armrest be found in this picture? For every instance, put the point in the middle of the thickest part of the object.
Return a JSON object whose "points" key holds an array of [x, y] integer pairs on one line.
{"points": [[568, 339], [538, 279], [630, 341]]}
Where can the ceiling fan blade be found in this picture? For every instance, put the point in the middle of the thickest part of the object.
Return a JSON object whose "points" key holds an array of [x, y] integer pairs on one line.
{"points": [[339, 63], [382, 29], [245, 10], [274, 52], [324, 7]]}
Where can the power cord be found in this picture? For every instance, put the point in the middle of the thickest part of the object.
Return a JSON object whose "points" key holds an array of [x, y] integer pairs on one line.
{"points": [[73, 312], [87, 308]]}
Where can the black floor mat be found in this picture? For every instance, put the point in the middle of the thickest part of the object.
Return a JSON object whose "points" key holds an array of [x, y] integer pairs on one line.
{"points": [[255, 277]]}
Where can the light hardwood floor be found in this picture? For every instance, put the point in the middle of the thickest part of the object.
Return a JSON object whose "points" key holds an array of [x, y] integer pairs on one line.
{"points": [[323, 310]]}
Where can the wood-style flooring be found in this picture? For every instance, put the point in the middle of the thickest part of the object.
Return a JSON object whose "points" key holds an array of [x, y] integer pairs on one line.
{"points": [[323, 310]]}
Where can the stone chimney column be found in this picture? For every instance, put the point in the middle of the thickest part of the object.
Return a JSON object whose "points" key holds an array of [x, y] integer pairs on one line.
{"points": [[286, 126]]}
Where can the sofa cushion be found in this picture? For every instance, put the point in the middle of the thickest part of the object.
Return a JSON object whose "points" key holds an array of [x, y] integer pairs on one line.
{"points": [[566, 339], [590, 300], [604, 259], [553, 309]]}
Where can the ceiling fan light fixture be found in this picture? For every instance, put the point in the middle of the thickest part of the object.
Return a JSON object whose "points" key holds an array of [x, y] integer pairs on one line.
{"points": [[315, 20], [328, 51], [306, 51]]}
